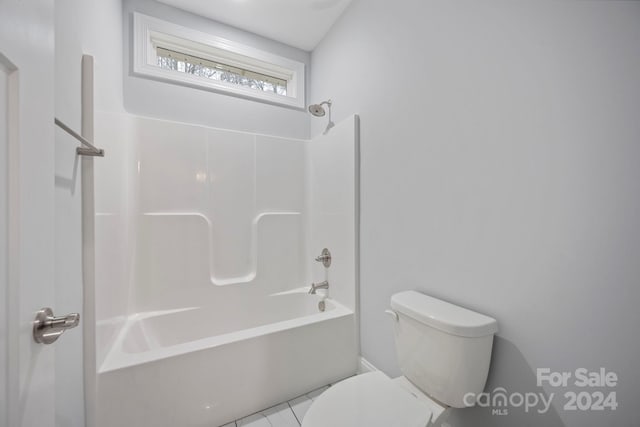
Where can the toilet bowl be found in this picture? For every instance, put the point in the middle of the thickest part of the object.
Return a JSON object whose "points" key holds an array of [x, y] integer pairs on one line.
{"points": [[443, 351]]}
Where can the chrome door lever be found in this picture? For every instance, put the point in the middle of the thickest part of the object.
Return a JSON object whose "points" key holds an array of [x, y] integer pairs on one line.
{"points": [[47, 328]]}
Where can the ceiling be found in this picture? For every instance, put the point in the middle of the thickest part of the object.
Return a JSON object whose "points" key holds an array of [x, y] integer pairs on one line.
{"points": [[298, 23]]}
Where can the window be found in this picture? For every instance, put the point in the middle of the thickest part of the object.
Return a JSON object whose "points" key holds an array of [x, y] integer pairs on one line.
{"points": [[176, 54], [184, 63]]}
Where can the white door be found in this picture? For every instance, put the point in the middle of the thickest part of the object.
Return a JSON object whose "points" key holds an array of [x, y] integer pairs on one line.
{"points": [[27, 395]]}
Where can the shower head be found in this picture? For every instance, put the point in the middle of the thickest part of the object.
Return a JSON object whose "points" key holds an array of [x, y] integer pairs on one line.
{"points": [[317, 109]]}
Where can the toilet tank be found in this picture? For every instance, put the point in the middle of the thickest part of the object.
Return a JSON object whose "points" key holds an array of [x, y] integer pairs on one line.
{"points": [[443, 349]]}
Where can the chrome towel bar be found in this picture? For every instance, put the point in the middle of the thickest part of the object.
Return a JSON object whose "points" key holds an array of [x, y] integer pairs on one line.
{"points": [[91, 150]]}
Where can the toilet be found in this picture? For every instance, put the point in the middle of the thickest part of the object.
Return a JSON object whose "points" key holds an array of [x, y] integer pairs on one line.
{"points": [[443, 352]]}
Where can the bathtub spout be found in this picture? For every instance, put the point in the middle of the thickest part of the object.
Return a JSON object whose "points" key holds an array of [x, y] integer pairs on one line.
{"points": [[316, 286]]}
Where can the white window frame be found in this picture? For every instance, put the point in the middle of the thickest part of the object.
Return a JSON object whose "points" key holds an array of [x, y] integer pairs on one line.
{"points": [[150, 32]]}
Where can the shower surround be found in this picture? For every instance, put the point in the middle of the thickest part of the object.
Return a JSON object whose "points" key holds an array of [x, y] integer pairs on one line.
{"points": [[205, 240]]}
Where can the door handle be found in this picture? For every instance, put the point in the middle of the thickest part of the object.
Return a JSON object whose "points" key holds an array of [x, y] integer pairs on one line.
{"points": [[47, 328]]}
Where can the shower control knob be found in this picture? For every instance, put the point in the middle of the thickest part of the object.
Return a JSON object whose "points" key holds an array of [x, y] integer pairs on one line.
{"points": [[325, 257]]}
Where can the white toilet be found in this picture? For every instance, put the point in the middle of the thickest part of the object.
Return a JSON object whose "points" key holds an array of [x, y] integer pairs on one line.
{"points": [[443, 351]]}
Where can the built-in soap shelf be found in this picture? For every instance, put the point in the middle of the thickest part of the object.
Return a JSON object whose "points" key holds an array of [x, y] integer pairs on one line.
{"points": [[255, 257]]}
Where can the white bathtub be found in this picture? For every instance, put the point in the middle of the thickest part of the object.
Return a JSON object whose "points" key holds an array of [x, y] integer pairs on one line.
{"points": [[206, 366]]}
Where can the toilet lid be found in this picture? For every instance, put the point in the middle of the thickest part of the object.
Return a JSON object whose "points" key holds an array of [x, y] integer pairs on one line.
{"points": [[367, 400]]}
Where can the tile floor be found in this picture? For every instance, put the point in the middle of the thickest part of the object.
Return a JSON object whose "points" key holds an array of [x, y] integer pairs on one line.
{"points": [[288, 414]]}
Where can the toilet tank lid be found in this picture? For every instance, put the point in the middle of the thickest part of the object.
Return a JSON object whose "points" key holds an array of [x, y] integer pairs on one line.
{"points": [[442, 315]]}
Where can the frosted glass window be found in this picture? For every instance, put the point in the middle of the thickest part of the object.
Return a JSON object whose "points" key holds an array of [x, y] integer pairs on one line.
{"points": [[205, 68]]}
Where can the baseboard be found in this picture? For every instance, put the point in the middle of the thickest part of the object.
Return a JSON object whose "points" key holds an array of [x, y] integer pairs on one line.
{"points": [[365, 366]]}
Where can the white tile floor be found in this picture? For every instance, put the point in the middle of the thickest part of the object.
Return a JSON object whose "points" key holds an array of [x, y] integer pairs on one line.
{"points": [[288, 414]]}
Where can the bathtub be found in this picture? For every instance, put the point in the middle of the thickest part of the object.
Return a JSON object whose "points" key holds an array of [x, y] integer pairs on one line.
{"points": [[209, 365]]}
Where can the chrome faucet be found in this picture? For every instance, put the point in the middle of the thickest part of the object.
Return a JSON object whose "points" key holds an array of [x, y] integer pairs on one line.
{"points": [[316, 286]]}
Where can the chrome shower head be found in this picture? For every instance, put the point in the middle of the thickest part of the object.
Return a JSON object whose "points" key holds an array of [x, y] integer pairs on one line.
{"points": [[317, 110]]}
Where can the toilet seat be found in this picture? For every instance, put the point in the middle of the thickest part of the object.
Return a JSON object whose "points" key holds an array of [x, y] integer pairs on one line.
{"points": [[367, 400]]}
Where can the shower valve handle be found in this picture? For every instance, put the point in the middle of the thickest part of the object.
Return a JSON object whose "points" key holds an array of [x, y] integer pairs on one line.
{"points": [[325, 258]]}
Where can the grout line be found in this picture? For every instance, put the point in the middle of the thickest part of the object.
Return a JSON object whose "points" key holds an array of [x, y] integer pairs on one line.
{"points": [[267, 418], [288, 404], [261, 412], [294, 414]]}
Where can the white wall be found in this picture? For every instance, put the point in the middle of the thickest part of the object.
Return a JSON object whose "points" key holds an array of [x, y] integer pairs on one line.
{"points": [[151, 98], [227, 222], [499, 145], [4, 237], [114, 239], [332, 193], [91, 27]]}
